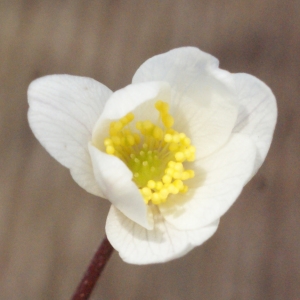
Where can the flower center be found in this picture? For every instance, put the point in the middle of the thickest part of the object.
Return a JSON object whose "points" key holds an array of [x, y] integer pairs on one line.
{"points": [[154, 154]]}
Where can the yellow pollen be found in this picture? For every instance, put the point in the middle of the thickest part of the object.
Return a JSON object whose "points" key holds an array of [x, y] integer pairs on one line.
{"points": [[110, 150], [155, 153], [151, 184]]}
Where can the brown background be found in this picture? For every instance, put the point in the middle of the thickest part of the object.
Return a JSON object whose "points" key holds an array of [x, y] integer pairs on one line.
{"points": [[50, 228]]}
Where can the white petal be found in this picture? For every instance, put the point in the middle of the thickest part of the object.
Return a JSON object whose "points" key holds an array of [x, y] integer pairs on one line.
{"points": [[203, 98], [209, 125], [219, 180], [188, 70], [257, 113], [115, 181], [137, 245], [63, 110], [170, 65], [137, 98]]}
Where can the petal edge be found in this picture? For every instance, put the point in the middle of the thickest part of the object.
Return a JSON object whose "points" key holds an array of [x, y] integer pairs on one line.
{"points": [[62, 112]]}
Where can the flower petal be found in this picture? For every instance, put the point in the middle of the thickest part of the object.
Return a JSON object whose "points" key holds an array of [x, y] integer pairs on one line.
{"points": [[189, 71], [137, 245], [257, 113], [219, 180], [63, 110], [208, 126], [203, 96], [180, 67], [133, 98], [115, 181]]}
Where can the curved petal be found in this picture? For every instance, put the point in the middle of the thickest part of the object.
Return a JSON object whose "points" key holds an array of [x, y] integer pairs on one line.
{"points": [[63, 110], [219, 180], [208, 126], [137, 98], [257, 113], [189, 71], [203, 97], [137, 245], [115, 181], [170, 65]]}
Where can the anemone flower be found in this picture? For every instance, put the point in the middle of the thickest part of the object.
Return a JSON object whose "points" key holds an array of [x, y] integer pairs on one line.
{"points": [[171, 152]]}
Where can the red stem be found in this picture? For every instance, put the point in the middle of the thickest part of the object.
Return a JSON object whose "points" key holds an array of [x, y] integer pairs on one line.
{"points": [[89, 280]]}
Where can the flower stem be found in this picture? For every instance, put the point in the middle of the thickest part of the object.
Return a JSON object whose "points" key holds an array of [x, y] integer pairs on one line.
{"points": [[94, 270]]}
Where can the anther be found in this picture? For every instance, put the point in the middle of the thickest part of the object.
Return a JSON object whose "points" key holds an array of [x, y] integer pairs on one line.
{"points": [[110, 150], [163, 193], [151, 184], [118, 125], [179, 156], [159, 185], [168, 138], [146, 191], [176, 138], [155, 198], [167, 178], [107, 142]]}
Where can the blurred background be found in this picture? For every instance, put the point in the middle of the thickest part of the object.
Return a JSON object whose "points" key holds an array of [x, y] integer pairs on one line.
{"points": [[50, 227]]}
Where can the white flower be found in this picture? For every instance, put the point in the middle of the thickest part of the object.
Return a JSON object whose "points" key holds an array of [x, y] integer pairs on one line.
{"points": [[171, 151]]}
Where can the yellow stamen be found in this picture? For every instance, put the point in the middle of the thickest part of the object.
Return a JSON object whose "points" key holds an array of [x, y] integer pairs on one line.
{"points": [[155, 154]]}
